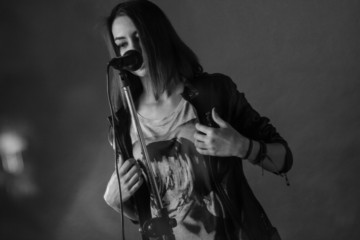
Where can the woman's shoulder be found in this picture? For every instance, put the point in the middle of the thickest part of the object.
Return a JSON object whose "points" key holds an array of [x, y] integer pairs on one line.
{"points": [[217, 81], [212, 79]]}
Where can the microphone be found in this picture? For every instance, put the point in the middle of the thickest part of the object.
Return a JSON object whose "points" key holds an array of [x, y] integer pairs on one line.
{"points": [[130, 61]]}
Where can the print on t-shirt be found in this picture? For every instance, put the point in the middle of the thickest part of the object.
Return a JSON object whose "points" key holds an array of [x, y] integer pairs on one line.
{"points": [[181, 174]]}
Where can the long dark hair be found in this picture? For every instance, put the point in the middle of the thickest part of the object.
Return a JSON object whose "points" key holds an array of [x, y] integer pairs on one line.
{"points": [[169, 58]]}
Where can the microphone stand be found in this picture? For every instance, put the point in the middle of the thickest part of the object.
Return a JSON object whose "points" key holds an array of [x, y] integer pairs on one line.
{"points": [[161, 226]]}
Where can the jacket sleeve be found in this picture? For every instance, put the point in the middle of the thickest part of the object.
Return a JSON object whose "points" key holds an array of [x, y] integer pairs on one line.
{"points": [[111, 195], [250, 123]]}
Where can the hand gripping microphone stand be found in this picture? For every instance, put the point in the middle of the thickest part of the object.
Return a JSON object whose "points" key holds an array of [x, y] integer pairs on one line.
{"points": [[159, 227]]}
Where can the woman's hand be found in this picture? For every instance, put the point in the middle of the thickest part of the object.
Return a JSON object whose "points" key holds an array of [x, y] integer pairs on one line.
{"points": [[130, 178], [224, 141]]}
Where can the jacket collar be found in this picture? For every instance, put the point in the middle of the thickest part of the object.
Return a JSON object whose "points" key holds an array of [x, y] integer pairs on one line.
{"points": [[190, 92]]}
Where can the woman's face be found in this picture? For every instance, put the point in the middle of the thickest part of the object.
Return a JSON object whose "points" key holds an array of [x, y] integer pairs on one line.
{"points": [[126, 37]]}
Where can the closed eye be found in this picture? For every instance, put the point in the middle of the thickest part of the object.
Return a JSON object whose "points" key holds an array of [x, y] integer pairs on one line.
{"points": [[122, 45]]}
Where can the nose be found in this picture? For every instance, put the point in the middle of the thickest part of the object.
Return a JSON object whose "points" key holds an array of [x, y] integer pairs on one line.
{"points": [[134, 44]]}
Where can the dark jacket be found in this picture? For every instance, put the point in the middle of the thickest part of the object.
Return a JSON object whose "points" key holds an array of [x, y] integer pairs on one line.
{"points": [[216, 90]]}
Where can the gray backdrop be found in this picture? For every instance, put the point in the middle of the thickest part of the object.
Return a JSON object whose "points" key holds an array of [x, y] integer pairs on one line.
{"points": [[297, 61]]}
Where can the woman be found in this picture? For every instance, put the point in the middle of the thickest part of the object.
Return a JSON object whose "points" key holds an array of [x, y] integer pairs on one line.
{"points": [[198, 129]]}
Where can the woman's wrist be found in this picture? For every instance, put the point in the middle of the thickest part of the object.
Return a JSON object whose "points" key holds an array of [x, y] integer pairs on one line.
{"points": [[244, 146], [249, 148]]}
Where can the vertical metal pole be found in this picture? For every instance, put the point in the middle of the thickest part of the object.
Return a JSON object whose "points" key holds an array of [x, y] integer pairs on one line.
{"points": [[153, 185]]}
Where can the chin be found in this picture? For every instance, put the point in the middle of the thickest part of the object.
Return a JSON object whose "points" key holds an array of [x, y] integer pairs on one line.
{"points": [[142, 72]]}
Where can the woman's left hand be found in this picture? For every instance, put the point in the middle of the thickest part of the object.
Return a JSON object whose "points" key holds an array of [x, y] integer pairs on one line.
{"points": [[224, 141]]}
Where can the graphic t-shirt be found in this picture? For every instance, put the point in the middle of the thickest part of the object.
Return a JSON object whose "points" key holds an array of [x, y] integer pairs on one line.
{"points": [[181, 174]]}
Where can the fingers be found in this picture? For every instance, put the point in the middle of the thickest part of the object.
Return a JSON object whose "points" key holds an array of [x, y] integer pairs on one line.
{"points": [[201, 145], [206, 151], [134, 182], [126, 166], [134, 171], [204, 129], [205, 147], [130, 178], [136, 186], [203, 138], [200, 137], [129, 188], [218, 119], [202, 151]]}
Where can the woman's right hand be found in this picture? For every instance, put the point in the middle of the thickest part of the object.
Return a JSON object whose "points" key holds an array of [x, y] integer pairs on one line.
{"points": [[130, 178]]}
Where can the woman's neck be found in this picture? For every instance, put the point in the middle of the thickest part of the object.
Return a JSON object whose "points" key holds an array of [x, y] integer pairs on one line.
{"points": [[156, 108], [148, 96]]}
